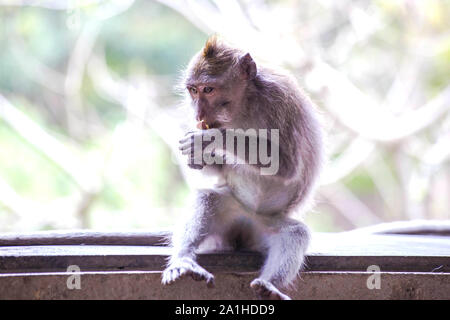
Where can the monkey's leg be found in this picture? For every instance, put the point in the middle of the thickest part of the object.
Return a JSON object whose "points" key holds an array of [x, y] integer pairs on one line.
{"points": [[285, 256], [196, 229]]}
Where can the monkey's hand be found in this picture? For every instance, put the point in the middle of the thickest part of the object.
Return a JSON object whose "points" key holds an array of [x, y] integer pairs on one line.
{"points": [[186, 267], [202, 147]]}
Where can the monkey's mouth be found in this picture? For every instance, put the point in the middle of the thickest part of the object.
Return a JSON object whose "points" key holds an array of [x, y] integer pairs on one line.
{"points": [[203, 125], [215, 125]]}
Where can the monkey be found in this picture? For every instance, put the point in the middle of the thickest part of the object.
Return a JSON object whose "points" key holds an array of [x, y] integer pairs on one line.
{"points": [[245, 209]]}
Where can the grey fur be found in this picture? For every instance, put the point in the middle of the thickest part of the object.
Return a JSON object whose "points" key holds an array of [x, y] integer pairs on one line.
{"points": [[249, 210]]}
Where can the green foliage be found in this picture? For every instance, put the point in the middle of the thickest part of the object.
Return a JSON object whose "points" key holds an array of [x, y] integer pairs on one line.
{"points": [[360, 182], [161, 39], [148, 38], [30, 174], [142, 186], [439, 75]]}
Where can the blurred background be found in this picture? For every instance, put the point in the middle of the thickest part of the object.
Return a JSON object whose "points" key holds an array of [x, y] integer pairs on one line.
{"points": [[87, 105]]}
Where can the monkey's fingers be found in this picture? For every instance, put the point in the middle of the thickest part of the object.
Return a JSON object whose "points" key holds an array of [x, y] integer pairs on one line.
{"points": [[194, 161], [189, 132], [184, 146], [195, 166], [187, 137], [186, 150]]}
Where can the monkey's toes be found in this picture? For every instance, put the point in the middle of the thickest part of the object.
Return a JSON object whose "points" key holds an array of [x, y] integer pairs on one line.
{"points": [[186, 267], [266, 291], [200, 274], [171, 274]]}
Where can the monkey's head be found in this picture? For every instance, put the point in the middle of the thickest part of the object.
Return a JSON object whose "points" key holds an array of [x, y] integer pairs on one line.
{"points": [[216, 79]]}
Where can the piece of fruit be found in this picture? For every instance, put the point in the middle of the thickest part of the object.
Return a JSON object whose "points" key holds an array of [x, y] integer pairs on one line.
{"points": [[202, 125]]}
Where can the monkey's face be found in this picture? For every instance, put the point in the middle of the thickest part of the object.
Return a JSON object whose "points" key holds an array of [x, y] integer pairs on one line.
{"points": [[216, 79], [214, 101]]}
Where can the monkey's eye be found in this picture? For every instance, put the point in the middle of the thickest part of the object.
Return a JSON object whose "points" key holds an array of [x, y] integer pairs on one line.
{"points": [[208, 89], [193, 90]]}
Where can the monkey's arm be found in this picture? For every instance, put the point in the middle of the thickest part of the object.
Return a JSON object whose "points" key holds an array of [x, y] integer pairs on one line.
{"points": [[246, 150], [262, 154]]}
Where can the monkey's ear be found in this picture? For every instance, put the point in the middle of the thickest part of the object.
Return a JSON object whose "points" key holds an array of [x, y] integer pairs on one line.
{"points": [[247, 67]]}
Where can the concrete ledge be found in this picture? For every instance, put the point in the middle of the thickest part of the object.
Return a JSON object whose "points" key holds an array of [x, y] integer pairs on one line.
{"points": [[132, 258], [328, 252], [412, 267], [147, 285]]}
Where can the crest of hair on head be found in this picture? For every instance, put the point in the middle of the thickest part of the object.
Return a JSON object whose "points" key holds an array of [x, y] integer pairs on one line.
{"points": [[211, 46]]}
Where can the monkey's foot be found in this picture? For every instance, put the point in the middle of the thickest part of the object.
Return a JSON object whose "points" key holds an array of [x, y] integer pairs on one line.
{"points": [[267, 291], [186, 267]]}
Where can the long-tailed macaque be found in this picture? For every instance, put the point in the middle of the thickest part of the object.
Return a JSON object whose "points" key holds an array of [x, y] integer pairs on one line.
{"points": [[249, 208]]}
